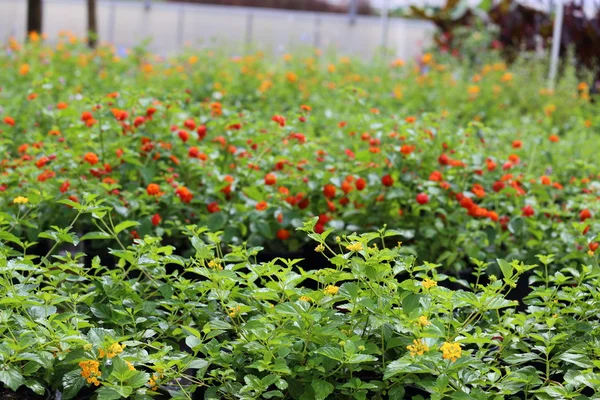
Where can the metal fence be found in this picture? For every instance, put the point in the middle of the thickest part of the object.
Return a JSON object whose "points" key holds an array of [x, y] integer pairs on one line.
{"points": [[173, 26]]}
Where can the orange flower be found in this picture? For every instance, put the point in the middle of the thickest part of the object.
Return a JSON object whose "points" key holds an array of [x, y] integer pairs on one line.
{"points": [[261, 205], [154, 190], [9, 121], [553, 138], [24, 69], [184, 194], [91, 158], [283, 234]]}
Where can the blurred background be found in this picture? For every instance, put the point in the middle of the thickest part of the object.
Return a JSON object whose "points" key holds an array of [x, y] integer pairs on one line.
{"points": [[364, 28]]}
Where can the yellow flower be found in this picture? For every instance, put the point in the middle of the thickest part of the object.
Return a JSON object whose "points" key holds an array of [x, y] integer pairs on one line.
{"points": [[215, 264], [305, 298], [451, 351], [357, 246], [320, 248], [423, 321], [507, 77], [331, 290], [114, 350], [417, 348], [20, 200], [473, 90], [233, 311], [130, 366], [428, 283], [90, 371]]}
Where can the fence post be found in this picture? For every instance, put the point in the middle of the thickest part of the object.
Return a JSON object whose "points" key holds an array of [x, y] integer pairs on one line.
{"points": [[385, 23], [556, 38], [111, 22]]}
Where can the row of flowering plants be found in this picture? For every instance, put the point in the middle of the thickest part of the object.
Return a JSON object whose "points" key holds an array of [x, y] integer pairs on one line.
{"points": [[218, 325], [469, 161]]}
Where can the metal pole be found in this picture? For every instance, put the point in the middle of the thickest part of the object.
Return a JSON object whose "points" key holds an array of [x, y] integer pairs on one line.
{"points": [[317, 36], [249, 29], [385, 23], [556, 37], [111, 22], [180, 24], [353, 11]]}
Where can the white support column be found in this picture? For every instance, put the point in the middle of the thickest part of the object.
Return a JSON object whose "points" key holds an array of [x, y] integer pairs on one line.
{"points": [[556, 37]]}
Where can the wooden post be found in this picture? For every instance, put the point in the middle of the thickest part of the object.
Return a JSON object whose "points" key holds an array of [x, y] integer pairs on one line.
{"points": [[92, 23], [34, 16]]}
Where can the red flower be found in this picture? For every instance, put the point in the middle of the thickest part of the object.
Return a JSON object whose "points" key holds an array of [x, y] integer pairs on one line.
{"points": [[270, 179], [190, 124], [498, 186], [183, 135], [444, 159], [585, 214], [86, 116], [517, 144], [201, 131], [279, 119], [65, 186], [387, 180], [436, 176], [593, 246], [213, 207], [193, 152], [9, 121], [528, 211], [156, 219], [91, 158], [422, 198], [138, 121], [261, 205], [42, 162], [283, 234], [329, 191], [184, 194], [360, 184], [302, 204]]}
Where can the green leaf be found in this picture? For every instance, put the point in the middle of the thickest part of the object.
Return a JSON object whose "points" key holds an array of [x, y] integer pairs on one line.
{"points": [[507, 269], [334, 353], [96, 235], [138, 380], [216, 221], [124, 225], [12, 378], [322, 389], [106, 393], [9, 237], [72, 382], [580, 360]]}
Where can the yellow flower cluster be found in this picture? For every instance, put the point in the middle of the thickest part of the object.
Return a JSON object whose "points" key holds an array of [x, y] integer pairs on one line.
{"points": [[305, 298], [423, 321], [357, 246], [20, 200], [417, 348], [428, 283], [451, 351], [112, 351], [152, 381], [331, 290], [90, 371], [233, 311], [215, 264]]}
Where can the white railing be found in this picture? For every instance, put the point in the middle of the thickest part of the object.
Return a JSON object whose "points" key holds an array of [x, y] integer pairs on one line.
{"points": [[172, 26]]}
